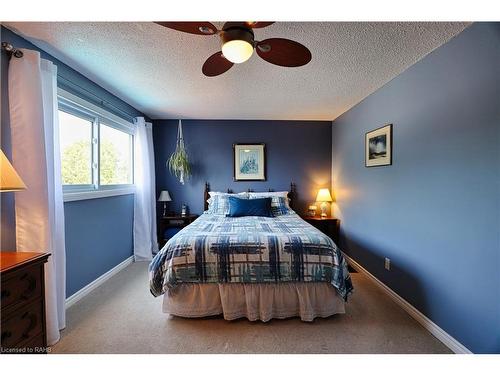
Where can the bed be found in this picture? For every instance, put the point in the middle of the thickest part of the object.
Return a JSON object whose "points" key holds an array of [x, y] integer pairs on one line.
{"points": [[254, 267]]}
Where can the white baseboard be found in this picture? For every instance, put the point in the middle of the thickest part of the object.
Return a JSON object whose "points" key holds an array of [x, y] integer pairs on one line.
{"points": [[428, 324], [74, 298]]}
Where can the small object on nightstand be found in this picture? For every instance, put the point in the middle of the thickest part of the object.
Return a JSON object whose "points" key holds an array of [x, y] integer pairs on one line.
{"points": [[324, 197], [311, 211], [164, 197], [184, 210], [327, 225]]}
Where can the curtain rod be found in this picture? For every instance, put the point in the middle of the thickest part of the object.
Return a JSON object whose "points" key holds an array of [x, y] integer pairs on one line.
{"points": [[12, 51], [83, 91]]}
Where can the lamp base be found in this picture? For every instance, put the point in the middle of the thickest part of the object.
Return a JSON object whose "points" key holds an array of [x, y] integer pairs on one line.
{"points": [[324, 207]]}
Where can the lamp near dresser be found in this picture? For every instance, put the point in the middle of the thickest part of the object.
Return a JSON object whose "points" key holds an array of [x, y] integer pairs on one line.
{"points": [[9, 179]]}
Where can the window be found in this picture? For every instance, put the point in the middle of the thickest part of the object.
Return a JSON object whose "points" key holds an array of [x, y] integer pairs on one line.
{"points": [[115, 156], [75, 134], [96, 150]]}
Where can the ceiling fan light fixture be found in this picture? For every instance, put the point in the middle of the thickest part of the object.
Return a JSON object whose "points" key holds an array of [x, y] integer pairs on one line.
{"points": [[237, 44], [237, 51]]}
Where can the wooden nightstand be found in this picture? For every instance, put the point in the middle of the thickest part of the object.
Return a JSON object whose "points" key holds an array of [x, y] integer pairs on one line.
{"points": [[172, 221], [329, 226], [23, 302]]}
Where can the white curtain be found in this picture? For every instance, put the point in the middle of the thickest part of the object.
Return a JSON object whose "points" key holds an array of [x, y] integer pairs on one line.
{"points": [[145, 241], [35, 154]]}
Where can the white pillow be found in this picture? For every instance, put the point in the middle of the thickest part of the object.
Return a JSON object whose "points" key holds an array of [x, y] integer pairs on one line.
{"points": [[213, 193], [218, 203], [265, 194], [270, 194]]}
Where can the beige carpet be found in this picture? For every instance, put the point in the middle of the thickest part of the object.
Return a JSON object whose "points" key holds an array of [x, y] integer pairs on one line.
{"points": [[122, 316]]}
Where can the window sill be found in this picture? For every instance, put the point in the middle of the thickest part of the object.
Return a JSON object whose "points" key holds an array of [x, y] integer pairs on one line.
{"points": [[94, 194]]}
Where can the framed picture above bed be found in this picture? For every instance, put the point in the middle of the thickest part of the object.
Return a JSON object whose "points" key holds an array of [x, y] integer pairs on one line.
{"points": [[378, 147], [249, 161]]}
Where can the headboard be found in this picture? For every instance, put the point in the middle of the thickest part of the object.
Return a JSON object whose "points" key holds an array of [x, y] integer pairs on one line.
{"points": [[292, 195]]}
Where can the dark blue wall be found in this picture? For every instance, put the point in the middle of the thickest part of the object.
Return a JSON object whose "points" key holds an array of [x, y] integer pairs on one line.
{"points": [[298, 151], [99, 231], [435, 211]]}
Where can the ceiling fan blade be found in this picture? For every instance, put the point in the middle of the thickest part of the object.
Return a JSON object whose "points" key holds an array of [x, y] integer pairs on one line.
{"points": [[199, 28], [216, 65], [283, 52], [258, 25]]}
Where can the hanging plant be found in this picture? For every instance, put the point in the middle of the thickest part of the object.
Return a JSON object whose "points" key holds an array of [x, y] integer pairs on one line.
{"points": [[178, 163]]}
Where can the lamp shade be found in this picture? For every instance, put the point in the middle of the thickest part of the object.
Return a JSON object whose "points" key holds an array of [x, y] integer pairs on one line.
{"points": [[164, 196], [324, 196], [9, 179]]}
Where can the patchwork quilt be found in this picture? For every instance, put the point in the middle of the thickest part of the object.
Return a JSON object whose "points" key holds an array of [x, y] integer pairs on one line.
{"points": [[250, 249]]}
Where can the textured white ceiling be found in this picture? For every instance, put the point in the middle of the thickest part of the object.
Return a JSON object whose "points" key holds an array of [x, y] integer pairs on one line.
{"points": [[158, 70]]}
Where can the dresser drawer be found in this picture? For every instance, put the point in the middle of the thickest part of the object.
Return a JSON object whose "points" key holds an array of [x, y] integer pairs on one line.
{"points": [[22, 326], [37, 345], [23, 285]]}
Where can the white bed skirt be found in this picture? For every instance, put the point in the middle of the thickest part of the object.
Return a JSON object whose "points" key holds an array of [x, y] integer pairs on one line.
{"points": [[263, 301]]}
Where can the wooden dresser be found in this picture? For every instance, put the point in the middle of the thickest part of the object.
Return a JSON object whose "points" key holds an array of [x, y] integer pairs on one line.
{"points": [[23, 302]]}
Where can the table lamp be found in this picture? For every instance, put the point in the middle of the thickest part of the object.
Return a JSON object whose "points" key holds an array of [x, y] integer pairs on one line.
{"points": [[324, 197], [164, 197], [9, 179]]}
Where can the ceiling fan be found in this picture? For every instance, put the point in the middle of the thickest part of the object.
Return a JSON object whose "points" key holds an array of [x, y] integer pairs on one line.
{"points": [[238, 44]]}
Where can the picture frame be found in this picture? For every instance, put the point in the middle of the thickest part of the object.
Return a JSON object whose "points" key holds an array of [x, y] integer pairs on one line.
{"points": [[378, 147], [249, 161]]}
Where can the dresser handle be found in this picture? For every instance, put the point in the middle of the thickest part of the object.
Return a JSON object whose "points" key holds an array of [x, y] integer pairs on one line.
{"points": [[5, 294], [31, 286], [6, 335], [33, 320]]}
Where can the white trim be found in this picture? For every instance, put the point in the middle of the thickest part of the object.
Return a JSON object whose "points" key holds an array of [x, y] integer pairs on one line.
{"points": [[93, 194], [69, 98], [71, 300], [428, 324]]}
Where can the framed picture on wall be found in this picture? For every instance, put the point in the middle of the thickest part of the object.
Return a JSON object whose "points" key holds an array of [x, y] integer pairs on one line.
{"points": [[249, 162], [378, 147]]}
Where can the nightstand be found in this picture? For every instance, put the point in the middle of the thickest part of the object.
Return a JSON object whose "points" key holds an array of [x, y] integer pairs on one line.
{"points": [[23, 302], [172, 221], [328, 225]]}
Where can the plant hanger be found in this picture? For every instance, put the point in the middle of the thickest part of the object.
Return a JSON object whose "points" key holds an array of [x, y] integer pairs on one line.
{"points": [[178, 163]]}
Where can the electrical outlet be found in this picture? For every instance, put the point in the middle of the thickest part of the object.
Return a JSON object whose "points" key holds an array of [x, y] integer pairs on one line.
{"points": [[387, 264]]}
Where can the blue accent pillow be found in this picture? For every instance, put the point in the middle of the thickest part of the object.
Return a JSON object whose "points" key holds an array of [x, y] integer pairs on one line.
{"points": [[249, 207]]}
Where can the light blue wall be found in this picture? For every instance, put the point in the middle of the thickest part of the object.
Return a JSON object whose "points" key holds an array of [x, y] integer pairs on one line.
{"points": [[435, 211], [98, 231], [98, 237]]}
